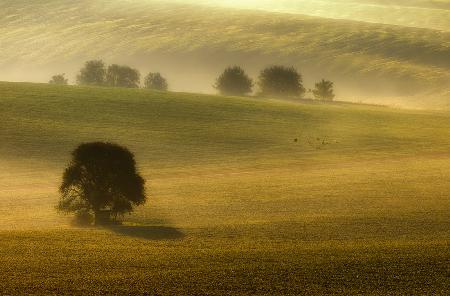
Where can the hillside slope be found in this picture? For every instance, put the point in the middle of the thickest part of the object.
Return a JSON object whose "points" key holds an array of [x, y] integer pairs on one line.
{"points": [[188, 136], [431, 14], [357, 205], [192, 44]]}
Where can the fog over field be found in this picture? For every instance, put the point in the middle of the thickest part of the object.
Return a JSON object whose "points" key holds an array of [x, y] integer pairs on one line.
{"points": [[181, 147], [403, 64]]}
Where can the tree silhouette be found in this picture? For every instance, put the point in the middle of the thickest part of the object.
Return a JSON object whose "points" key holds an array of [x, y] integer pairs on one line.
{"points": [[122, 76], [101, 177], [59, 79], [234, 81], [281, 81], [93, 73], [155, 81], [324, 90]]}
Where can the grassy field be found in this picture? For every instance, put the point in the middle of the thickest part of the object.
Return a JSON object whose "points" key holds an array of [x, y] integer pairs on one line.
{"points": [[358, 205], [192, 44]]}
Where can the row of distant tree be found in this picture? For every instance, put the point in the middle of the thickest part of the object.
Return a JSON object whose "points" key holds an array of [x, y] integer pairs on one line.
{"points": [[234, 81], [272, 81], [96, 72]]}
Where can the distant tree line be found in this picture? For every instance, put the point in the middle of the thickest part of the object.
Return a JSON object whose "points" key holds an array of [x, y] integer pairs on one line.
{"points": [[96, 73], [279, 81]]}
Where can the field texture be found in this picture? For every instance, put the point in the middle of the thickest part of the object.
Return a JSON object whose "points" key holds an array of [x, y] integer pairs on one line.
{"points": [[358, 205], [432, 14], [192, 44]]}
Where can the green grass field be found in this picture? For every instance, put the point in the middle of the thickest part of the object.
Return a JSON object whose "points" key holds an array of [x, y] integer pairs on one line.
{"points": [[191, 44], [359, 205]]}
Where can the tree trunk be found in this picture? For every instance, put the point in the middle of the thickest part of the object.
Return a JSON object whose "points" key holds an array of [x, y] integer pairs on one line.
{"points": [[102, 217]]}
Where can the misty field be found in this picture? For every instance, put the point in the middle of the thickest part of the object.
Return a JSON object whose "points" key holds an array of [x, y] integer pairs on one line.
{"points": [[374, 61], [358, 204]]}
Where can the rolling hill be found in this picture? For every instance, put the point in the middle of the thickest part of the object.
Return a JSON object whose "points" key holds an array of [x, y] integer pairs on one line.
{"points": [[410, 13], [358, 204], [191, 44]]}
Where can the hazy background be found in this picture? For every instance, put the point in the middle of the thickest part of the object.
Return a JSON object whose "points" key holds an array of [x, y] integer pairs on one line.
{"points": [[404, 59]]}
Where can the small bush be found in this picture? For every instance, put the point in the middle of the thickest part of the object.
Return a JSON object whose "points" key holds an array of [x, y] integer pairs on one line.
{"points": [[59, 79]]}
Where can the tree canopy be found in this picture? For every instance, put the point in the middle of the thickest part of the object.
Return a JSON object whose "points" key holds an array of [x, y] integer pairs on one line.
{"points": [[93, 73], [281, 81], [59, 79], [122, 76], [156, 81], [324, 90], [234, 81], [101, 176]]}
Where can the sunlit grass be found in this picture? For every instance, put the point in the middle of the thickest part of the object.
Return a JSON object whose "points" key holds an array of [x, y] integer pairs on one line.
{"points": [[359, 204]]}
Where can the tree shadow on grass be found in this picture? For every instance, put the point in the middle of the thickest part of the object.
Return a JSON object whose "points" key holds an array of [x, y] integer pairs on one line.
{"points": [[148, 232]]}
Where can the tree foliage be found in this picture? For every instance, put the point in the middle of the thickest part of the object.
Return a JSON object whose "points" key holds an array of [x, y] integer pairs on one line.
{"points": [[156, 81], [93, 73], [101, 176], [234, 81], [59, 79], [324, 90], [122, 76], [281, 81]]}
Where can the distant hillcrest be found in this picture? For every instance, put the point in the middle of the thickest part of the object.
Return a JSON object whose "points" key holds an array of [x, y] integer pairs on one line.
{"points": [[191, 44], [430, 14]]}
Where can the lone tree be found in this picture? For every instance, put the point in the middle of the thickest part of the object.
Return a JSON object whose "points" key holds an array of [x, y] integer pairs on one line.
{"points": [[281, 81], [156, 81], [234, 81], [122, 76], [93, 73], [324, 90], [101, 179], [59, 79]]}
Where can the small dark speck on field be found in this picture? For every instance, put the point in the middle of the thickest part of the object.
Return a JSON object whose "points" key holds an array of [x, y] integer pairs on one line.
{"points": [[148, 232]]}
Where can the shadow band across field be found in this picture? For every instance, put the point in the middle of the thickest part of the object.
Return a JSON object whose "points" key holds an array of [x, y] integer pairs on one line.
{"points": [[148, 232]]}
